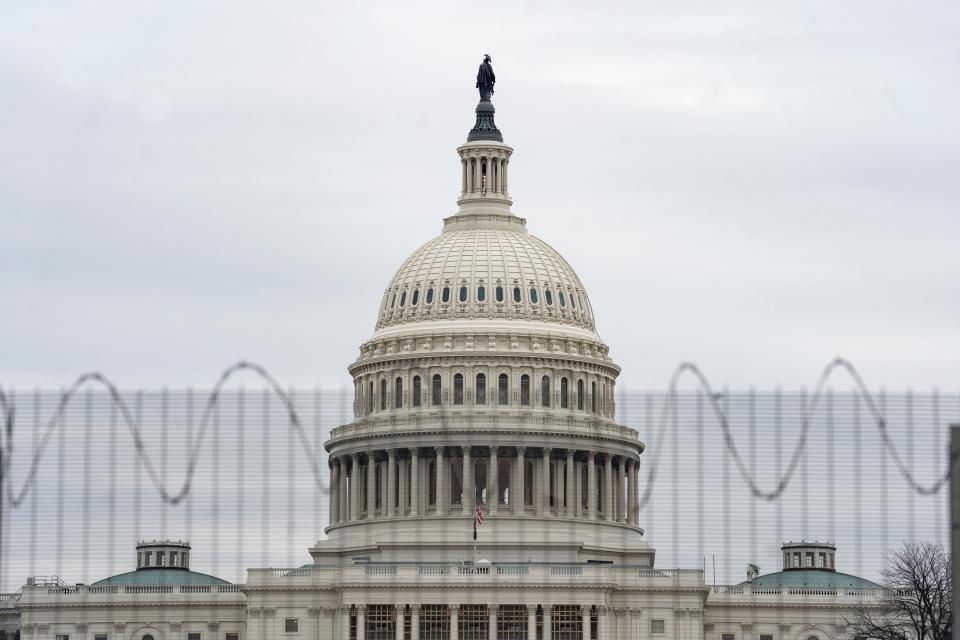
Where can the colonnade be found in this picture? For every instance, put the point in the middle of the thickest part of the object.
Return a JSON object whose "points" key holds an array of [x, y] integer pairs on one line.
{"points": [[475, 622], [473, 170], [521, 481]]}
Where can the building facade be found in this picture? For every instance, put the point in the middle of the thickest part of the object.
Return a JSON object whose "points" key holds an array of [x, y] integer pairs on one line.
{"points": [[484, 390]]}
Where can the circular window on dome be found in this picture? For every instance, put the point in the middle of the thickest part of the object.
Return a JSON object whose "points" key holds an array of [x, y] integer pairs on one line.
{"points": [[534, 298], [445, 295], [463, 294], [415, 298], [146, 636], [430, 295], [548, 297], [481, 293], [516, 294], [563, 302], [499, 294], [403, 298]]}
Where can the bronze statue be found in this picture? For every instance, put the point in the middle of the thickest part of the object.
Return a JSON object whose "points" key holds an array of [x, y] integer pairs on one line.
{"points": [[485, 79]]}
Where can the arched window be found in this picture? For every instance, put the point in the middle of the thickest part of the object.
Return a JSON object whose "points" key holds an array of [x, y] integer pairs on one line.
{"points": [[563, 301], [499, 293], [584, 487], [458, 389], [564, 404], [463, 294], [445, 295], [572, 305], [481, 294], [398, 394], [481, 390], [383, 394], [403, 298], [416, 391], [503, 389], [146, 636], [370, 397], [580, 395], [378, 487], [548, 297], [545, 391], [456, 481], [525, 390], [517, 296], [593, 396], [430, 295], [504, 469], [432, 482], [480, 480], [415, 298], [528, 482], [437, 391], [603, 398], [393, 300], [534, 299]]}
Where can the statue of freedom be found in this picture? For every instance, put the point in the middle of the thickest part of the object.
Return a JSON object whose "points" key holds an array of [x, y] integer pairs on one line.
{"points": [[485, 79]]}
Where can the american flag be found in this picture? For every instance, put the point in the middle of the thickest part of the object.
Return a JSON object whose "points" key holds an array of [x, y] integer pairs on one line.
{"points": [[477, 520]]}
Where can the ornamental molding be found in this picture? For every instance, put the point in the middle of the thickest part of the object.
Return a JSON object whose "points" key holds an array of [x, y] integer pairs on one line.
{"points": [[708, 626], [785, 628], [213, 626], [119, 626], [269, 612], [313, 612], [175, 626], [746, 626], [81, 627]]}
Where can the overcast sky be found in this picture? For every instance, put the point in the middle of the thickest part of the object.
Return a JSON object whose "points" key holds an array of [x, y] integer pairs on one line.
{"points": [[756, 187], [753, 186]]}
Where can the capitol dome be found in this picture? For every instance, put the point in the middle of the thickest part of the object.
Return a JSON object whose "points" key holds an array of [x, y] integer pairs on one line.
{"points": [[484, 385], [489, 270]]}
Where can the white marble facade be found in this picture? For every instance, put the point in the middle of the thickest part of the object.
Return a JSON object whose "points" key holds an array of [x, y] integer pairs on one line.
{"points": [[484, 383]]}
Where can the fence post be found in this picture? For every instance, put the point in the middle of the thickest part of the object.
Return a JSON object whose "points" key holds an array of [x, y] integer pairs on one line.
{"points": [[954, 519]]}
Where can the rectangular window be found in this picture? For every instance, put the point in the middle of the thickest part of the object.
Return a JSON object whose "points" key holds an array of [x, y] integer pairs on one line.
{"points": [[381, 622], [659, 626], [193, 636], [291, 625], [434, 622], [512, 622], [473, 622], [100, 636], [233, 636], [727, 636], [161, 558], [566, 622], [147, 556], [63, 636], [766, 637]]}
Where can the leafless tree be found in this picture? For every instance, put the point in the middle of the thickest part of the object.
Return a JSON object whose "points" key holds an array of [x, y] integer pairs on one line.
{"points": [[917, 600]]}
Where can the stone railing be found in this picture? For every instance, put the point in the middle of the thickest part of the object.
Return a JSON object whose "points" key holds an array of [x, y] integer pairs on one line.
{"points": [[93, 594], [489, 419], [747, 592], [458, 573]]}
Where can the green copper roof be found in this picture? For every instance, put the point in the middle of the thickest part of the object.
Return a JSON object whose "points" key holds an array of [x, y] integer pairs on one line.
{"points": [[816, 578], [159, 577]]}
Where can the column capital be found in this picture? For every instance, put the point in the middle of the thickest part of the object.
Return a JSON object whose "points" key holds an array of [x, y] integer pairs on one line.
{"points": [[521, 451], [439, 450], [391, 453], [414, 452], [592, 455]]}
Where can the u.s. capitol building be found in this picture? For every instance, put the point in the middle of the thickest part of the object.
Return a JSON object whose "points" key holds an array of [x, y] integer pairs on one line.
{"points": [[484, 385]]}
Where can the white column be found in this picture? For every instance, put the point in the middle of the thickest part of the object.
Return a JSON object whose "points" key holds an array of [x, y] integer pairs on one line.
{"points": [[334, 496], [585, 622], [345, 622], [454, 622], [463, 176], [602, 626], [443, 501], [398, 624], [492, 624], [505, 174], [415, 622], [415, 483], [477, 175], [591, 485], [571, 505], [390, 510], [547, 622], [469, 493], [545, 483], [635, 485], [362, 616], [493, 483], [355, 487], [371, 486], [516, 484], [608, 487], [531, 622], [343, 490]]}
